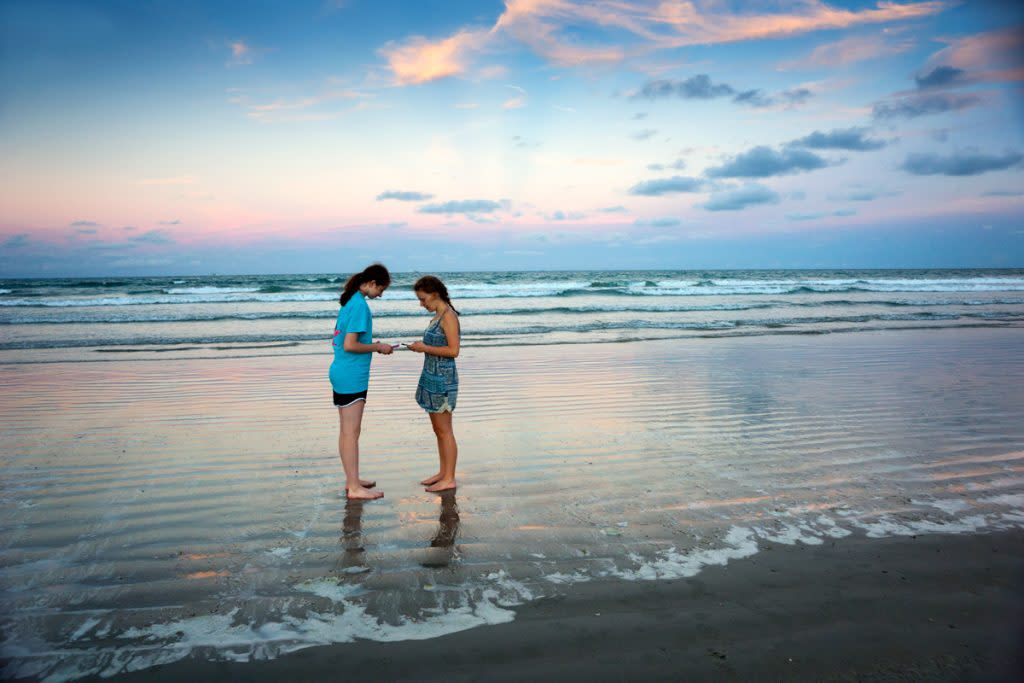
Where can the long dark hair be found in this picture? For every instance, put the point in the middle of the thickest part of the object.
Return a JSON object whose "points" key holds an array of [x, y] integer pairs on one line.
{"points": [[429, 284], [376, 273]]}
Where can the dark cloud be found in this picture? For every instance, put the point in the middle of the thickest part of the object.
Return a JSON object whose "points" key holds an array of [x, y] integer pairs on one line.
{"points": [[644, 134], [963, 163], [86, 231], [154, 237], [657, 223], [462, 206], [1003, 193], [520, 141], [757, 98], [660, 186], [613, 209], [84, 224], [741, 198], [640, 116], [867, 195], [404, 196], [939, 77], [852, 139], [176, 221], [798, 96], [16, 241], [566, 216], [107, 247], [860, 194], [816, 216], [754, 98], [677, 165], [701, 87], [762, 162], [923, 105], [697, 87]]}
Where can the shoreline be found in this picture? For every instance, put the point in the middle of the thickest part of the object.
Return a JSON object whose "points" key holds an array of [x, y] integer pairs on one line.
{"points": [[924, 608], [308, 348]]}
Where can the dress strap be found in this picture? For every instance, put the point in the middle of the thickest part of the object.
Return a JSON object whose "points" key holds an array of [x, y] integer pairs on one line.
{"points": [[457, 322]]}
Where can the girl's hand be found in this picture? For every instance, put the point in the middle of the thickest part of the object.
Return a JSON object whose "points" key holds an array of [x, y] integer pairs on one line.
{"points": [[386, 349], [418, 347]]}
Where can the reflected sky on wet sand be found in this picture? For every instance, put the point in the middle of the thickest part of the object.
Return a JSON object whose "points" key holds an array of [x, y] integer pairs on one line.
{"points": [[160, 509]]}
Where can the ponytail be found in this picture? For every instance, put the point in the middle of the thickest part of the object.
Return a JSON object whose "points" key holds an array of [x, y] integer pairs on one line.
{"points": [[372, 273], [444, 298], [432, 285]]}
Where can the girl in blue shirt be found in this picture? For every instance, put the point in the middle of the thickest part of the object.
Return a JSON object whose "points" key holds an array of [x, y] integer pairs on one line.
{"points": [[350, 370]]}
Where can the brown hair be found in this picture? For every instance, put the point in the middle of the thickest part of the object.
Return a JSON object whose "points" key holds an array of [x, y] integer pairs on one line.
{"points": [[375, 273], [432, 285]]}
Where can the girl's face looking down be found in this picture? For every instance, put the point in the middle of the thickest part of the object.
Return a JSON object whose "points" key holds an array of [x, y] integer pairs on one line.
{"points": [[429, 300], [372, 290]]}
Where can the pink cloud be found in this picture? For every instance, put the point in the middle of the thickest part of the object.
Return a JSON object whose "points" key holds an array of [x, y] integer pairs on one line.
{"points": [[299, 108], [420, 60], [241, 53], [655, 24], [537, 22], [849, 51], [992, 56], [696, 27]]}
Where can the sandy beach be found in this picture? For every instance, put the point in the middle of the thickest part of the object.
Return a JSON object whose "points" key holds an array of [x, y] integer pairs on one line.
{"points": [[925, 608], [695, 509]]}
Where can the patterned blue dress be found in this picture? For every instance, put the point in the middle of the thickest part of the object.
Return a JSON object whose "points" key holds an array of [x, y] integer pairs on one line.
{"points": [[438, 388]]}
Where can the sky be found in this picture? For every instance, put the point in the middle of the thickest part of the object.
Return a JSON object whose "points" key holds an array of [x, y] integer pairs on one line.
{"points": [[195, 137]]}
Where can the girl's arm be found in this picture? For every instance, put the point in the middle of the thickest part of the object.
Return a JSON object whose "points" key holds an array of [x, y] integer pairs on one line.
{"points": [[450, 324], [353, 345]]}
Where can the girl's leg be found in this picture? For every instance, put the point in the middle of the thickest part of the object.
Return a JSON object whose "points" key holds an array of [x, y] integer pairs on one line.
{"points": [[365, 483], [447, 449], [351, 419], [434, 478]]}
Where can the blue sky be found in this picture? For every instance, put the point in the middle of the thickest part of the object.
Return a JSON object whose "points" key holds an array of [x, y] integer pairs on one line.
{"points": [[201, 137]]}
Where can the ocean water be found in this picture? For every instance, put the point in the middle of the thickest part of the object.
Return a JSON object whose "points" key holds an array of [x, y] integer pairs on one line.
{"points": [[294, 313]]}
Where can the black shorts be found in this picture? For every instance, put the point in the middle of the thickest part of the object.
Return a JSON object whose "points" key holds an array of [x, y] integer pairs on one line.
{"points": [[342, 400]]}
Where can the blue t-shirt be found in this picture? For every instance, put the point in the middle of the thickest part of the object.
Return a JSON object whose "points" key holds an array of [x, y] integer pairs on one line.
{"points": [[350, 372]]}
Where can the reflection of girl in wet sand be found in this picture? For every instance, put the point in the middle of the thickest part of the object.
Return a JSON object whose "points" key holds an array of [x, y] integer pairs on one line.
{"points": [[350, 371], [448, 522], [352, 536], [442, 545], [439, 382]]}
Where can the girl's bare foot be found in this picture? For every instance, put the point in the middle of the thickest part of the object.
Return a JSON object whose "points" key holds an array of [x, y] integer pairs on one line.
{"points": [[442, 485], [431, 480], [367, 483], [363, 494]]}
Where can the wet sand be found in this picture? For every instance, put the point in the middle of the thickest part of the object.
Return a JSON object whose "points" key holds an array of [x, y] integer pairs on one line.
{"points": [[748, 497], [925, 608]]}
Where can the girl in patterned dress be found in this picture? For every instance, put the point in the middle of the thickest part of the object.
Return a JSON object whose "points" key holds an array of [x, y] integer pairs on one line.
{"points": [[438, 387]]}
